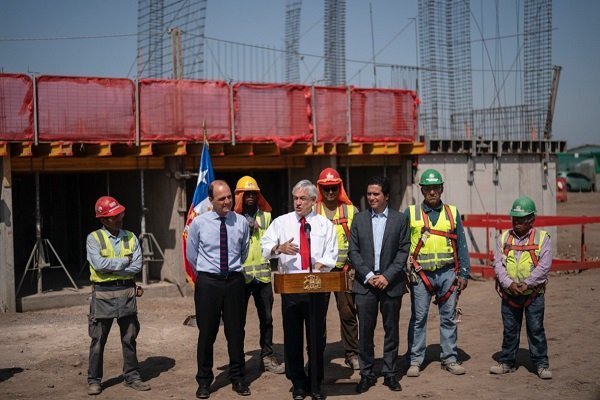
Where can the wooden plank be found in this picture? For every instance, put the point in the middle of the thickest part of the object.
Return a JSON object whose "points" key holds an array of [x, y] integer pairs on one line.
{"points": [[76, 164]]}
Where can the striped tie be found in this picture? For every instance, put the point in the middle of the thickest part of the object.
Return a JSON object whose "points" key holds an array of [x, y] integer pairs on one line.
{"points": [[224, 267]]}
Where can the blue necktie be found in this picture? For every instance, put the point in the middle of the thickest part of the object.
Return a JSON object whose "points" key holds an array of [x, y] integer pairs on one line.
{"points": [[224, 267]]}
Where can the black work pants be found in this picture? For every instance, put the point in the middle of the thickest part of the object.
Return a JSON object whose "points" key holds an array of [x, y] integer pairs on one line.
{"points": [[215, 298], [263, 300], [296, 317]]}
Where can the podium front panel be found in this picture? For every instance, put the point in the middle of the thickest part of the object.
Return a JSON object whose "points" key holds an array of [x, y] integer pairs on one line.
{"points": [[319, 282]]}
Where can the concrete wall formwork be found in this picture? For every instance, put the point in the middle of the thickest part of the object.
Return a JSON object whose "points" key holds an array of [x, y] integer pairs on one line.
{"points": [[518, 174]]}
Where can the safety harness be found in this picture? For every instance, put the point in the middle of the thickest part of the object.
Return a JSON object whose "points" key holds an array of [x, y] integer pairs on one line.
{"points": [[531, 247], [452, 236], [342, 220]]}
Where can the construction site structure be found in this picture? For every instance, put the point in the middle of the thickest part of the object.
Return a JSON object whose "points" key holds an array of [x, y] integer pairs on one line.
{"points": [[156, 20]]}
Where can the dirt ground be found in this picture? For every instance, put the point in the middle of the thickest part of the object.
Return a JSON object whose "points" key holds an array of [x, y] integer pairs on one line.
{"points": [[43, 354]]}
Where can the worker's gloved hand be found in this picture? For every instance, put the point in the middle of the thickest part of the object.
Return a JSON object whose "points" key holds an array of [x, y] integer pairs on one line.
{"points": [[462, 284]]}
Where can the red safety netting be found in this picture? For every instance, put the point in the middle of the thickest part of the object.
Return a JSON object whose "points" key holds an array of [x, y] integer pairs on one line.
{"points": [[176, 110], [384, 115], [83, 109], [16, 107], [272, 112], [331, 113]]}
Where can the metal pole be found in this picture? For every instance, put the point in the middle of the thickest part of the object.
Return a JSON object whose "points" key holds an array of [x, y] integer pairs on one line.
{"points": [[312, 327], [583, 247], [373, 47], [314, 113], [143, 230], [38, 234], [137, 112], [35, 113]]}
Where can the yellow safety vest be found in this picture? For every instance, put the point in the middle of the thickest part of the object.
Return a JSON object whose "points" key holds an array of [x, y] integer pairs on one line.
{"points": [[338, 223], [107, 251], [519, 270], [436, 251], [256, 266]]}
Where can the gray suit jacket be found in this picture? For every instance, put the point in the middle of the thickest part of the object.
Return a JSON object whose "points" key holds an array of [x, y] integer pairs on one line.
{"points": [[394, 251]]}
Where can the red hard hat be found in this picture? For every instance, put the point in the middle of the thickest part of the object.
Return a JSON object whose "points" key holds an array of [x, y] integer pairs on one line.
{"points": [[329, 176], [107, 206]]}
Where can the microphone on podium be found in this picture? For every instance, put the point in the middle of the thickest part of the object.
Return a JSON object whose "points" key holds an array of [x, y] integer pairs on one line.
{"points": [[307, 230]]}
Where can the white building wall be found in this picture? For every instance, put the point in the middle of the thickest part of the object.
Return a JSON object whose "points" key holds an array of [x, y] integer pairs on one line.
{"points": [[518, 174]]}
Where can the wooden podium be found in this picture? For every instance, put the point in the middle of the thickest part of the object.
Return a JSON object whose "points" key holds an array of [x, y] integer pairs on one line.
{"points": [[317, 282]]}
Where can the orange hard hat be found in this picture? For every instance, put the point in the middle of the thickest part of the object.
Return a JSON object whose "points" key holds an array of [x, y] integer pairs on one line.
{"points": [[107, 206], [329, 176]]}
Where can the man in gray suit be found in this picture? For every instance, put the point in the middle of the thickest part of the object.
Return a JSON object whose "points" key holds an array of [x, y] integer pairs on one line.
{"points": [[379, 245]]}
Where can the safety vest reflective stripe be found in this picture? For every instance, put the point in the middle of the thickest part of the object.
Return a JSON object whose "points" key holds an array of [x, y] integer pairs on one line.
{"points": [[519, 270], [435, 244], [256, 266], [342, 220], [441, 248], [107, 251], [259, 272]]}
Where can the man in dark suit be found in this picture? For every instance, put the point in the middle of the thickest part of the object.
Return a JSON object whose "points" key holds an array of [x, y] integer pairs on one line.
{"points": [[379, 245]]}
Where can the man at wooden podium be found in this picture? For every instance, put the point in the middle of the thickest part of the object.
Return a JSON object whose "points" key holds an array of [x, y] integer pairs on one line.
{"points": [[287, 239], [379, 245]]}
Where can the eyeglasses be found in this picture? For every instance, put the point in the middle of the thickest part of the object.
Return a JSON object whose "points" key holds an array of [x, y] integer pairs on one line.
{"points": [[333, 188]]}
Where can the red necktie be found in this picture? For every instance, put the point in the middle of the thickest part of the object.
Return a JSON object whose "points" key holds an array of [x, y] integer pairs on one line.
{"points": [[304, 247]]}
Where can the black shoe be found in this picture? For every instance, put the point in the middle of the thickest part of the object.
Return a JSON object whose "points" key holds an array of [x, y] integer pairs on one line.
{"points": [[241, 388], [392, 383], [317, 396], [203, 392], [365, 384], [299, 393]]}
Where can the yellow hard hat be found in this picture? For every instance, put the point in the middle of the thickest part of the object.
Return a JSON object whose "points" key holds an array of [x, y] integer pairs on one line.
{"points": [[247, 184]]}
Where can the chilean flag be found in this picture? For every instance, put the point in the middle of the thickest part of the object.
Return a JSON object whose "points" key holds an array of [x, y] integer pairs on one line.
{"points": [[200, 204]]}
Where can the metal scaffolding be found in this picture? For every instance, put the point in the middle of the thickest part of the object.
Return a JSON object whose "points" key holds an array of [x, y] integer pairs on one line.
{"points": [[537, 49], [446, 73], [335, 42], [445, 61], [292, 40], [155, 19]]}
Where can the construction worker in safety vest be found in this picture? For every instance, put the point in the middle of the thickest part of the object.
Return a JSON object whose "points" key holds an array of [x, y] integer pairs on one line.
{"points": [[334, 204], [438, 269], [522, 261], [115, 257], [250, 203]]}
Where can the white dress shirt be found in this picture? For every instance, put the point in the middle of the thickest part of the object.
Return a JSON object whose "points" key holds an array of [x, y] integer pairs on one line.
{"points": [[379, 221], [323, 249]]}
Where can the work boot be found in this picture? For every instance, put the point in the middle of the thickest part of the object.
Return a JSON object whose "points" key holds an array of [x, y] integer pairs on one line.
{"points": [[413, 371], [270, 364], [94, 389], [138, 385], [544, 373], [352, 362], [454, 368], [502, 368]]}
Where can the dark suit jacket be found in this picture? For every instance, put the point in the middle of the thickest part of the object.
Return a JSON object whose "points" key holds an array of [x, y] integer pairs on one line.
{"points": [[394, 251]]}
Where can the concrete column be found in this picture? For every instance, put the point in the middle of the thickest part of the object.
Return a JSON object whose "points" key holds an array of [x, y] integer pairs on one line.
{"points": [[7, 259], [167, 205]]}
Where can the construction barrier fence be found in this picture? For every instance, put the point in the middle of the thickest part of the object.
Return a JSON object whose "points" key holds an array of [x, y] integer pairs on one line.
{"points": [[497, 223], [88, 109]]}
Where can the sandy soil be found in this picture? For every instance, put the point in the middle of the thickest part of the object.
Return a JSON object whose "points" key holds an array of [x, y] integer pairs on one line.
{"points": [[44, 354]]}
